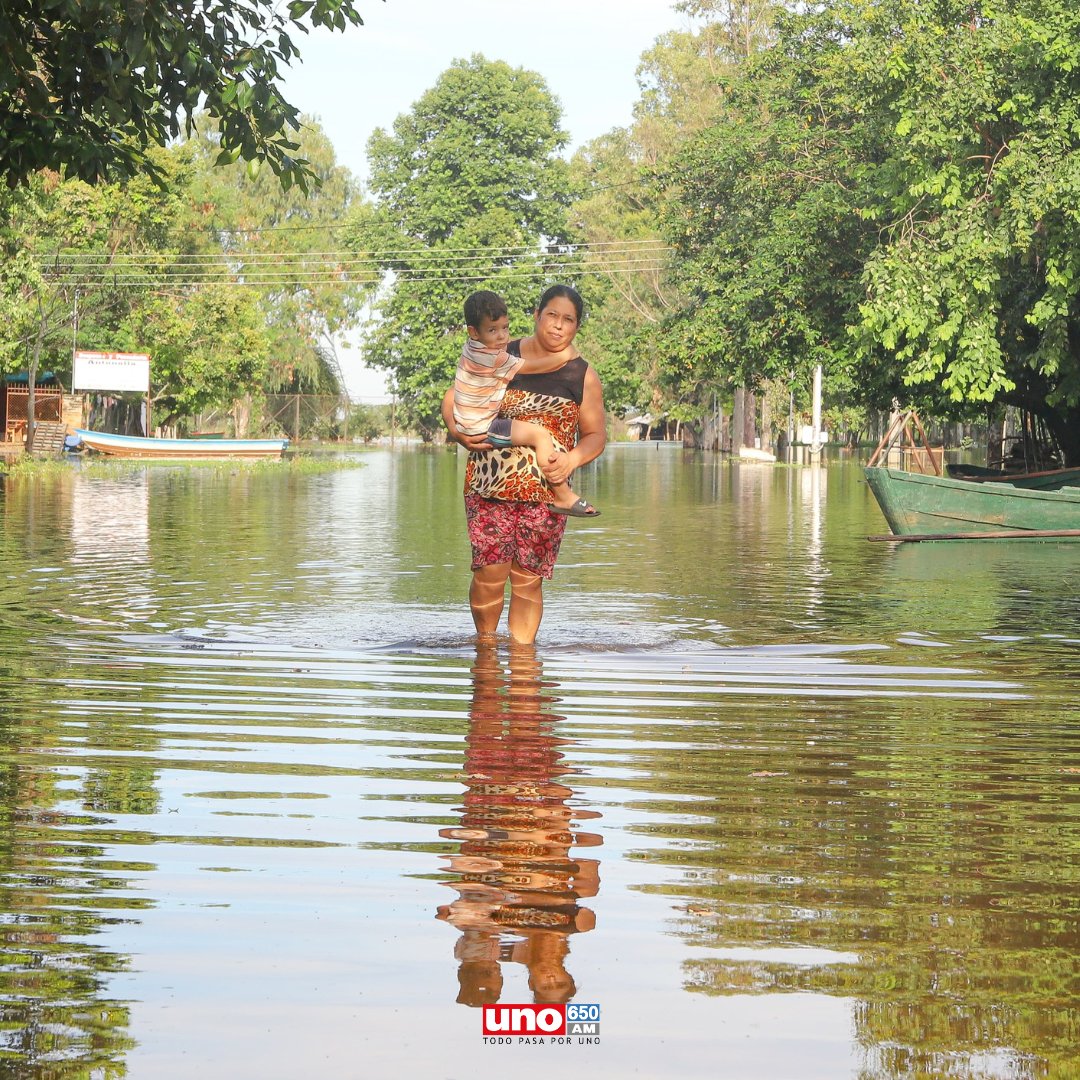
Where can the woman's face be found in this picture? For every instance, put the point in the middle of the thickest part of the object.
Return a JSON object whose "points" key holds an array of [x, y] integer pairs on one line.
{"points": [[557, 324]]}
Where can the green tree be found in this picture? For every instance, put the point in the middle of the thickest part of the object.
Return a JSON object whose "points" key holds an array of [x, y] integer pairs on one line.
{"points": [[769, 238], [682, 93], [279, 239], [208, 348], [29, 311], [681, 74], [39, 294], [891, 191], [118, 253], [90, 85], [216, 271], [973, 293], [470, 194], [617, 219]]}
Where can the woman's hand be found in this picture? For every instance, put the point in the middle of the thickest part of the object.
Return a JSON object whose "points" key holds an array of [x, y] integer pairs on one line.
{"points": [[558, 469], [591, 434], [472, 442]]}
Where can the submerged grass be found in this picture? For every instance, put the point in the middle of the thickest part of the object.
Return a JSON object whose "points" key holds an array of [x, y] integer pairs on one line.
{"points": [[30, 468], [33, 468]]}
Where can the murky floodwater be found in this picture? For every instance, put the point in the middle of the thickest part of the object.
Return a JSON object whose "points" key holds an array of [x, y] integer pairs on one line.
{"points": [[782, 802]]}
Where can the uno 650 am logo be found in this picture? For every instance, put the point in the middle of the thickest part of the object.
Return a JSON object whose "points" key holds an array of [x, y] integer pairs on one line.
{"points": [[541, 1024]]}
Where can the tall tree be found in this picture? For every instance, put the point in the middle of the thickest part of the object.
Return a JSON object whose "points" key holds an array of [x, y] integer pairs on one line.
{"points": [[286, 242], [470, 195], [682, 79], [891, 191], [681, 74], [89, 85], [973, 293], [120, 254], [627, 290], [769, 239]]}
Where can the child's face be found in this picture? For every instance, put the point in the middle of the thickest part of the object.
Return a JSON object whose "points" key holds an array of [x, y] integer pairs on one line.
{"points": [[494, 333]]}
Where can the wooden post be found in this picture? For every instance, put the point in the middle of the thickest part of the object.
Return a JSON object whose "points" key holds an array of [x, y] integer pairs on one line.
{"points": [[791, 416], [738, 420]]}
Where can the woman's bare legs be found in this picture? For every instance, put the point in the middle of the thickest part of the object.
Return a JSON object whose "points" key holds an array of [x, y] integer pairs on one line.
{"points": [[537, 438], [487, 594], [526, 604]]}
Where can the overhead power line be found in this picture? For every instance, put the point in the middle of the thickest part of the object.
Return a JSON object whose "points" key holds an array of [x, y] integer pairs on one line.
{"points": [[299, 269], [374, 257], [356, 268], [286, 280]]}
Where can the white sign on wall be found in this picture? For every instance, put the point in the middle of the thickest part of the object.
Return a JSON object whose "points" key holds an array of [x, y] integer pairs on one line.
{"points": [[112, 371]]}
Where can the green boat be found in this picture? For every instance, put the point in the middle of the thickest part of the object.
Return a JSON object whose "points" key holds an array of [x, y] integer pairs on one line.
{"points": [[1050, 479], [925, 505]]}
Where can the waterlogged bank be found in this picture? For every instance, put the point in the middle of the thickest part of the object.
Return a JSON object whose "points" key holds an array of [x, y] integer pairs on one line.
{"points": [[97, 466], [778, 801]]}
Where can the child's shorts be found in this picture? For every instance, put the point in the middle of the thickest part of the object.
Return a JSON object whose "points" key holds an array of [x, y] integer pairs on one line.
{"points": [[498, 432]]}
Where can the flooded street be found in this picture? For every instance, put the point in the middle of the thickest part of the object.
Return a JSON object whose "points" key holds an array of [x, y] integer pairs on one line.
{"points": [[782, 802]]}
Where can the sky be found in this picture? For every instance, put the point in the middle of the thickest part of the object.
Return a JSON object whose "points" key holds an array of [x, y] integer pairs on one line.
{"points": [[587, 51], [362, 79]]}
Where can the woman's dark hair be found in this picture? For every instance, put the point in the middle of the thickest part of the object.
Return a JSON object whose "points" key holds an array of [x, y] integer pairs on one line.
{"points": [[566, 291]]}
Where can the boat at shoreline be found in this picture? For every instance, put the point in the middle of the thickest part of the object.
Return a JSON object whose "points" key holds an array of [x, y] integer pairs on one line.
{"points": [[135, 446], [926, 505]]}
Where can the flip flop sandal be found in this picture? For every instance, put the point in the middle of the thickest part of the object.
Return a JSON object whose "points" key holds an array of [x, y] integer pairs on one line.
{"points": [[580, 509]]}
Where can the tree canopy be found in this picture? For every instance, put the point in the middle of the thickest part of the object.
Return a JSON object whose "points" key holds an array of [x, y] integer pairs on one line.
{"points": [[281, 239], [470, 193], [891, 190], [90, 85], [220, 275], [115, 255], [973, 290], [621, 207]]}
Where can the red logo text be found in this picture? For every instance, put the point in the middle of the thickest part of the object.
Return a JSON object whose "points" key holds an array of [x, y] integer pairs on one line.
{"points": [[524, 1019]]}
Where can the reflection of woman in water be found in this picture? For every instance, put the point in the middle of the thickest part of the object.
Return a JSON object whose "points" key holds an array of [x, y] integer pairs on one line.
{"points": [[519, 887]]}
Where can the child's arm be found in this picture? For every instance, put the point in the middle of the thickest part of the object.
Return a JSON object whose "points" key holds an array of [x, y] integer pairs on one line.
{"points": [[470, 442]]}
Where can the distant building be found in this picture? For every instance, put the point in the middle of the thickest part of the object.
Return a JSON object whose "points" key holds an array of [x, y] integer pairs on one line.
{"points": [[15, 403]]}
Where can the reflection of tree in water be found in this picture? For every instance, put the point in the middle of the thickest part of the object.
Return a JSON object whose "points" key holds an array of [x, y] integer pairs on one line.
{"points": [[518, 885], [931, 889], [55, 1018], [56, 894]]}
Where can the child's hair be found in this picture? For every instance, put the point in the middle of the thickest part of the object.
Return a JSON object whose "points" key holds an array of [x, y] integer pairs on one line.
{"points": [[568, 292], [483, 305]]}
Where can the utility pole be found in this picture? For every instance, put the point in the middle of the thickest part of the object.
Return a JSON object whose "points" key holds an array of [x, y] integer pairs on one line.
{"points": [[815, 438]]}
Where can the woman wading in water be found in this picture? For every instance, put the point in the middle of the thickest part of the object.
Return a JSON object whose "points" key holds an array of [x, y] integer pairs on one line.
{"points": [[514, 533]]}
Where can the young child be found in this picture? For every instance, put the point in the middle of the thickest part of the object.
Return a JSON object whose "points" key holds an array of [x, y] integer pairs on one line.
{"points": [[483, 374]]}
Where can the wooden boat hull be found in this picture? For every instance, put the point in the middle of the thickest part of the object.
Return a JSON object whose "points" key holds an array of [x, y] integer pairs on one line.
{"points": [[916, 504], [133, 446], [1050, 480]]}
